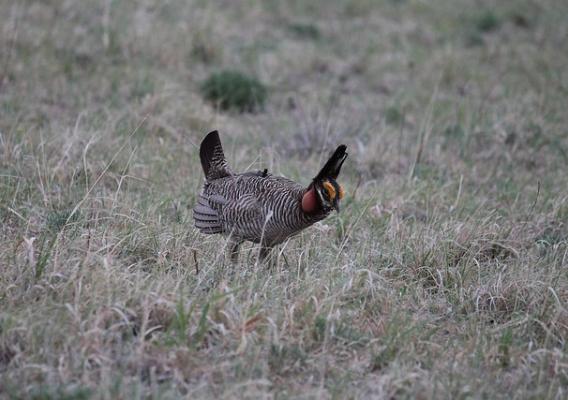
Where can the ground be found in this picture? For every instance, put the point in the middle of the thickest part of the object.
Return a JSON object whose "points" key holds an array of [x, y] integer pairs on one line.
{"points": [[444, 276]]}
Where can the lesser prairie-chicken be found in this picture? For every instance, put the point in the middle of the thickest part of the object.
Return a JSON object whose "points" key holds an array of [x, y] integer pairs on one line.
{"points": [[260, 207]]}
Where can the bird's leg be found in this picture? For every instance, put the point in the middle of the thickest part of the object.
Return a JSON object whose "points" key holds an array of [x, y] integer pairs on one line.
{"points": [[232, 253], [264, 252], [264, 255], [234, 250]]}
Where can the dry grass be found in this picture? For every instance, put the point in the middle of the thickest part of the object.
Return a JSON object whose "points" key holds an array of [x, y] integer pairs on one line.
{"points": [[445, 275]]}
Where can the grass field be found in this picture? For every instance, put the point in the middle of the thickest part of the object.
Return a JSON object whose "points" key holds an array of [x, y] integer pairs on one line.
{"points": [[444, 276]]}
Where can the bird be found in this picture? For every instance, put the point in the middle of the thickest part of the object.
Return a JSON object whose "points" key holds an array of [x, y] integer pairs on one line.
{"points": [[259, 207]]}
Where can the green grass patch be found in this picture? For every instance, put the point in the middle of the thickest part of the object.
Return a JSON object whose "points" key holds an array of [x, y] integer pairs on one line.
{"points": [[233, 90], [487, 21], [305, 31]]}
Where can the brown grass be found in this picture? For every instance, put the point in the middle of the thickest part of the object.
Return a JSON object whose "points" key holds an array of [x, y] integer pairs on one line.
{"points": [[444, 276]]}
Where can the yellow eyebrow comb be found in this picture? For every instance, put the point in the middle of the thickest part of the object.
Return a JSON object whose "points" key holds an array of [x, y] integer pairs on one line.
{"points": [[330, 190]]}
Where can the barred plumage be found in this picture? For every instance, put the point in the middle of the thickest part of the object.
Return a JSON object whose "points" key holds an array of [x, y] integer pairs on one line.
{"points": [[260, 207]]}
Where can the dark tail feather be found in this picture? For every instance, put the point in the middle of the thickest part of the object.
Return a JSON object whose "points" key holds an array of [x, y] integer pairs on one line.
{"points": [[212, 157], [333, 165]]}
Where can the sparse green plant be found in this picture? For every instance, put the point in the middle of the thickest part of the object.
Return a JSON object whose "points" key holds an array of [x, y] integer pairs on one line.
{"points": [[283, 358], [305, 31], [505, 348], [143, 86], [320, 325], [394, 116], [58, 218], [234, 90], [487, 21], [45, 392]]}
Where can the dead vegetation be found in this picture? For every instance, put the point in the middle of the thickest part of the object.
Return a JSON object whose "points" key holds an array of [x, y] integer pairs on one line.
{"points": [[443, 276]]}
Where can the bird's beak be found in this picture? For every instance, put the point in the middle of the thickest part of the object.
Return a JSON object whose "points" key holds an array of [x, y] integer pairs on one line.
{"points": [[336, 204]]}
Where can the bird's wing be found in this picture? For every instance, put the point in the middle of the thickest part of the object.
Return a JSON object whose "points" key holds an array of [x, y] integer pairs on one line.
{"points": [[244, 211]]}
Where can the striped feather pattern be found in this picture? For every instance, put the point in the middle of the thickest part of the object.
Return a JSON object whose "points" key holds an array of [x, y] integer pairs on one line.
{"points": [[254, 206], [261, 209]]}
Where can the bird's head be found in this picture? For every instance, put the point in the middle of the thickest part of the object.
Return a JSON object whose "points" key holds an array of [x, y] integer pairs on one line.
{"points": [[324, 193], [329, 193]]}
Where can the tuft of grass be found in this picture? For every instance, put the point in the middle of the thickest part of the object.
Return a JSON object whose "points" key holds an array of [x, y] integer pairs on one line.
{"points": [[57, 219], [45, 392], [284, 358], [487, 21], [234, 90], [394, 116], [319, 331], [522, 20], [454, 132], [305, 30], [397, 333]]}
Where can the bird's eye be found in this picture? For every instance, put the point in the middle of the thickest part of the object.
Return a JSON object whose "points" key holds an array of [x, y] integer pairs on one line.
{"points": [[330, 190]]}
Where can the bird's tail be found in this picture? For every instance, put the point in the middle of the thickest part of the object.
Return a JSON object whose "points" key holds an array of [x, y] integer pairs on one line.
{"points": [[212, 157]]}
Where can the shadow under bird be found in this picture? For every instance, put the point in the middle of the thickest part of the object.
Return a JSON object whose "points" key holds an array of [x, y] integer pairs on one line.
{"points": [[260, 207]]}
